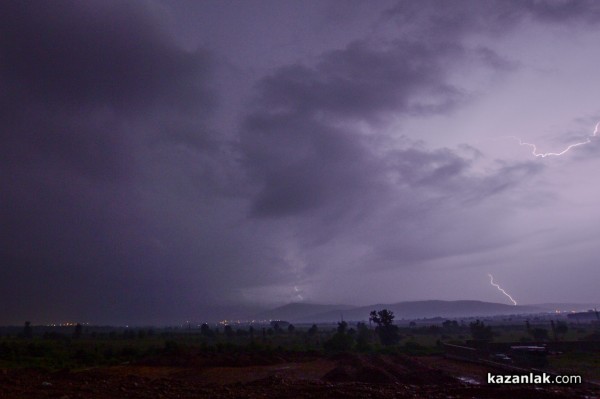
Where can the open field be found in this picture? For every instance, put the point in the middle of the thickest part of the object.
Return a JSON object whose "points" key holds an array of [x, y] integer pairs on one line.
{"points": [[262, 361]]}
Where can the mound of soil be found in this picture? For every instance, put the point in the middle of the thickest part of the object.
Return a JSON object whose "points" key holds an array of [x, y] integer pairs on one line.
{"points": [[340, 374], [371, 369], [374, 375], [349, 376]]}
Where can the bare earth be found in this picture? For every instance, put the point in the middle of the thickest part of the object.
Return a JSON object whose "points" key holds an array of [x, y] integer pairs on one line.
{"points": [[284, 376]]}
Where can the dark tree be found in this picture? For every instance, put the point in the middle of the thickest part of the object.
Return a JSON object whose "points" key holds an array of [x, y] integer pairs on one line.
{"points": [[205, 330], [561, 329], [450, 325], [78, 331], [341, 341], [539, 334], [313, 330], [386, 330], [480, 331], [291, 329], [228, 330], [363, 336], [27, 330], [382, 318], [342, 326]]}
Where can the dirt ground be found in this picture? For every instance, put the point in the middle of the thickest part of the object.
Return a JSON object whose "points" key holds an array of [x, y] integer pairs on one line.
{"points": [[291, 376]]}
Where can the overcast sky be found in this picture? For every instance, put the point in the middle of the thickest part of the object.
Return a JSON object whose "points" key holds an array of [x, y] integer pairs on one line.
{"points": [[165, 160]]}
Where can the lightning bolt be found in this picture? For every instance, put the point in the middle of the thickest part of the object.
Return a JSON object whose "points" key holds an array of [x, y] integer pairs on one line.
{"points": [[298, 293], [535, 153], [501, 290]]}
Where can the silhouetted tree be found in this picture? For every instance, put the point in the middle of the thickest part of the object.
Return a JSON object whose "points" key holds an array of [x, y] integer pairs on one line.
{"points": [[27, 330], [382, 318], [78, 331], [386, 330], [228, 331], [291, 328], [450, 325], [313, 330], [342, 326], [480, 331], [561, 329], [362, 337], [341, 341], [206, 331], [277, 327], [539, 334]]}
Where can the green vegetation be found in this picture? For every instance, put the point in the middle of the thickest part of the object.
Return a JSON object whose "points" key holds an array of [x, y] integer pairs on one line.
{"points": [[387, 331], [81, 347], [480, 331]]}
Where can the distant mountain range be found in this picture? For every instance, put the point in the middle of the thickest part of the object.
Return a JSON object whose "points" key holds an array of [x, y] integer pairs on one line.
{"points": [[318, 313]]}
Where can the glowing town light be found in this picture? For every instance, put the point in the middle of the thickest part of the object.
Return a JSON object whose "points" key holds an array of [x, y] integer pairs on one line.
{"points": [[556, 154], [501, 290]]}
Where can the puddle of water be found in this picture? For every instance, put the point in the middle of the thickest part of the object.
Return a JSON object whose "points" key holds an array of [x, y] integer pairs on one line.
{"points": [[468, 380]]}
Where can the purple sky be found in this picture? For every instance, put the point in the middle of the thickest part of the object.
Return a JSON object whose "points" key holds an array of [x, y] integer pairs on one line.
{"points": [[162, 160]]}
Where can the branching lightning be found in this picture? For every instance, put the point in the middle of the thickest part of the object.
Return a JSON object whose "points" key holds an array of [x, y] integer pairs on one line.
{"points": [[501, 290], [556, 154]]}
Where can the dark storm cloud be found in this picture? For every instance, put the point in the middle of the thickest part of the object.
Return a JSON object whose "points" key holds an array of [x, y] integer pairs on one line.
{"points": [[363, 81], [130, 200], [97, 53], [561, 11], [418, 167], [303, 163], [71, 73], [448, 20], [290, 142], [314, 143], [86, 87], [494, 60], [300, 143], [504, 178]]}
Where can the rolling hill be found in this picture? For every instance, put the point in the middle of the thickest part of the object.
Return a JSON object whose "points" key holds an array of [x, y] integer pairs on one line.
{"points": [[306, 312]]}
